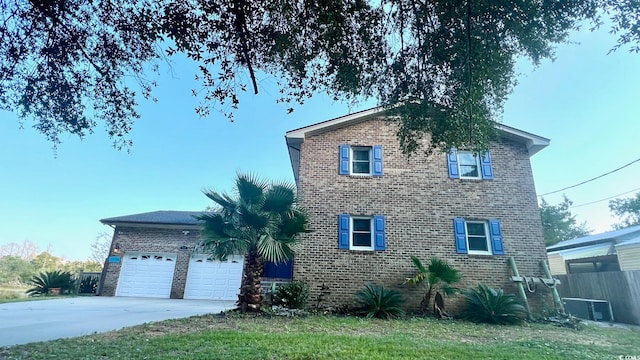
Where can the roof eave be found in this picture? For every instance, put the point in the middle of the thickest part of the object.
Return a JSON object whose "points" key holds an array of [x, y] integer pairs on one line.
{"points": [[152, 224]]}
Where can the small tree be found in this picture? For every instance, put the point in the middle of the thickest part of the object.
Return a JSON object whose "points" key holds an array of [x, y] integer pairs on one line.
{"points": [[439, 275], [558, 224], [262, 223]]}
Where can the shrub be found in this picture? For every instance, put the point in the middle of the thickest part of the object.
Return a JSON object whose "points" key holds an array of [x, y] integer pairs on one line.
{"points": [[376, 301], [88, 285], [485, 304], [50, 280], [293, 295]]}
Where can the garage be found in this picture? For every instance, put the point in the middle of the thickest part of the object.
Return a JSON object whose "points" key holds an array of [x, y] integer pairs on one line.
{"points": [[216, 280], [146, 275]]}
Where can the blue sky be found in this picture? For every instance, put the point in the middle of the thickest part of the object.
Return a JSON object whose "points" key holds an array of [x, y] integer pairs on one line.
{"points": [[586, 102]]}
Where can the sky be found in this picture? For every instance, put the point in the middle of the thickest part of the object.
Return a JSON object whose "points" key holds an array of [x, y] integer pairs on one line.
{"points": [[586, 102]]}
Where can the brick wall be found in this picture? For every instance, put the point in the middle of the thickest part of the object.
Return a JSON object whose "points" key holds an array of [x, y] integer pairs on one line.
{"points": [[419, 202], [154, 240]]}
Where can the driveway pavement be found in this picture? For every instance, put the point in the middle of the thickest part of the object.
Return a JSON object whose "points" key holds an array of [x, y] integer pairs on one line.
{"points": [[31, 321]]}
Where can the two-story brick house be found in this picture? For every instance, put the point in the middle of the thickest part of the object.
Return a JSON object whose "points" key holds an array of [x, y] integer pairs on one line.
{"points": [[372, 207]]}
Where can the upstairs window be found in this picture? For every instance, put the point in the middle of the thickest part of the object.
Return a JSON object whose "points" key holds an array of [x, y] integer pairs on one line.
{"points": [[469, 165], [361, 160]]}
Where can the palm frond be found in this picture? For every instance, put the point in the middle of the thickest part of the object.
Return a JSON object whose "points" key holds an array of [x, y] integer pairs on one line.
{"points": [[279, 198], [253, 217], [418, 264], [276, 250], [442, 271], [223, 200], [294, 222], [250, 188]]}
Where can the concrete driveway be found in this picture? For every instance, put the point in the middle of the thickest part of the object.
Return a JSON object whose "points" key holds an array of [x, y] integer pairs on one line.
{"points": [[31, 321]]}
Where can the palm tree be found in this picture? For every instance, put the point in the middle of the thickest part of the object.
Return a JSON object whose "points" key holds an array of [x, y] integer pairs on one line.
{"points": [[262, 222], [439, 274]]}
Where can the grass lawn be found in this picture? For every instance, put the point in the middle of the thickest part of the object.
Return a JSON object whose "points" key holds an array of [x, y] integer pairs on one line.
{"points": [[328, 337]]}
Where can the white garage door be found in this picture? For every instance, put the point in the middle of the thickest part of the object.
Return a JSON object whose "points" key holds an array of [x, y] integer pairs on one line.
{"points": [[209, 279], [146, 275]]}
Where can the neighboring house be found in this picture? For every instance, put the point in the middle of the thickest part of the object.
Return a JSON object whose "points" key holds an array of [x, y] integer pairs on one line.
{"points": [[155, 255], [373, 207], [617, 250]]}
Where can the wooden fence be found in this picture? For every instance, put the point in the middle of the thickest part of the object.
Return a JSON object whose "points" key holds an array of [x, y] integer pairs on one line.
{"points": [[620, 288]]}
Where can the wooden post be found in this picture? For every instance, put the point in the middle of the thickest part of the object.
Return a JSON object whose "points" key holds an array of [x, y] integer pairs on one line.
{"points": [[514, 268], [78, 281], [554, 290]]}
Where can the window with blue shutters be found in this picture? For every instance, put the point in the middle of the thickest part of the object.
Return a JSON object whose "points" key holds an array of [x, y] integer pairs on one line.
{"points": [[366, 233], [478, 237], [469, 165], [361, 160]]}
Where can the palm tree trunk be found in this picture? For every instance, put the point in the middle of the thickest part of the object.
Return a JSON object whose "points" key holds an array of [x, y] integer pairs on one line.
{"points": [[250, 297]]}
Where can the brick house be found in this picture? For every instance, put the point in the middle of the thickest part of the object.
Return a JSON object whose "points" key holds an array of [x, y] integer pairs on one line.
{"points": [[372, 208]]}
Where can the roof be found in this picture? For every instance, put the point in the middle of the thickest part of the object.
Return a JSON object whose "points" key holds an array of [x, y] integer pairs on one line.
{"points": [[616, 236], [296, 137], [585, 251], [629, 243], [163, 217]]}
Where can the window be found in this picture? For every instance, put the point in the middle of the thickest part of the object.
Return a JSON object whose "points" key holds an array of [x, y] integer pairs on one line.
{"points": [[361, 232], [478, 237], [361, 160], [469, 165]]}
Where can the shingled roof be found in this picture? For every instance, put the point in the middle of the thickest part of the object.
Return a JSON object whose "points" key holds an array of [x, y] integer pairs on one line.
{"points": [[163, 217]]}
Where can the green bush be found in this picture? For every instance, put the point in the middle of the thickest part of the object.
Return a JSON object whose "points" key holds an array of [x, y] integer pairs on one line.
{"points": [[89, 285], [293, 295], [50, 280], [485, 304], [376, 301]]}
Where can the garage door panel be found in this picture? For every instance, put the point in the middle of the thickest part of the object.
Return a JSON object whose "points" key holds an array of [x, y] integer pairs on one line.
{"points": [[208, 279], [146, 275]]}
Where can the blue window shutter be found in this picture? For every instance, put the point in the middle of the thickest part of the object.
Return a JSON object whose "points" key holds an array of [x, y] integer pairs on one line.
{"points": [[343, 231], [496, 237], [378, 168], [460, 231], [452, 160], [345, 152], [487, 168], [379, 228]]}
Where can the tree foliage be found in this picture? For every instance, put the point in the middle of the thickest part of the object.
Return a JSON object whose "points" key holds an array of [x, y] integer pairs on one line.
{"points": [[100, 247], [628, 210], [558, 224], [15, 271], [442, 68]]}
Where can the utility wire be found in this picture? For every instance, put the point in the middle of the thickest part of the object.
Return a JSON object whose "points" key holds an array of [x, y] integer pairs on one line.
{"points": [[595, 178], [610, 197]]}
